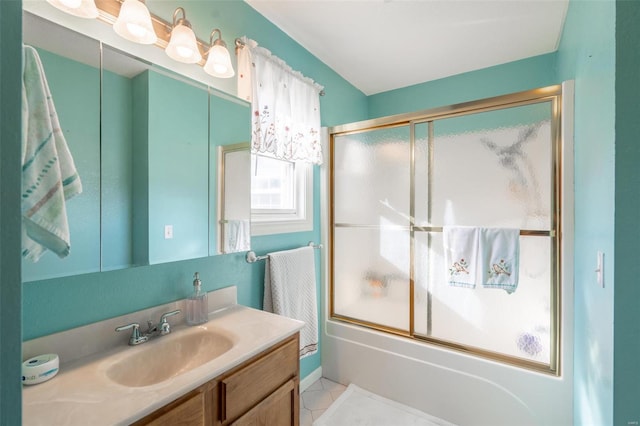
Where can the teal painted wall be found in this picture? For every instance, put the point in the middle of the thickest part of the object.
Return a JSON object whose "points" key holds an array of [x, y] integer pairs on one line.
{"points": [[10, 161], [530, 73], [626, 388], [62, 303], [587, 54]]}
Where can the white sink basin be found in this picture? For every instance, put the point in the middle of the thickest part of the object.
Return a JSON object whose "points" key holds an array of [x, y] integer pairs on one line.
{"points": [[168, 356]]}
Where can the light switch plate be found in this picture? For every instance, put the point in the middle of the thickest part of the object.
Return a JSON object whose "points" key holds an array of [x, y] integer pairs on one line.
{"points": [[168, 232], [600, 269]]}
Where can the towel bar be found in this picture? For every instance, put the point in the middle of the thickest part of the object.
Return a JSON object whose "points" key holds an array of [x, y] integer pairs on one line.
{"points": [[252, 258]]}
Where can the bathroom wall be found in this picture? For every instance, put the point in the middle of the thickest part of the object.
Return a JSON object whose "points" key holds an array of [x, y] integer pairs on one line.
{"points": [[587, 54], [10, 155], [59, 304], [626, 347], [538, 71]]}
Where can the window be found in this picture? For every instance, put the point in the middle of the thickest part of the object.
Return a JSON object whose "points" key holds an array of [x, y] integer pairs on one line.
{"points": [[281, 196]]}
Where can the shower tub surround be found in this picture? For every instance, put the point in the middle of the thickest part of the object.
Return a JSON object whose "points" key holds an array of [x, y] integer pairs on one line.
{"points": [[82, 393]]}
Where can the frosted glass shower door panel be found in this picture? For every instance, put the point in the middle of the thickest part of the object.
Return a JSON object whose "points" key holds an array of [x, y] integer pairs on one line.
{"points": [[372, 177], [371, 276], [494, 169], [516, 324]]}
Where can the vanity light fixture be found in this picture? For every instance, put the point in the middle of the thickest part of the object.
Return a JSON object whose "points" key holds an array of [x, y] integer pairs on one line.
{"points": [[218, 59], [134, 23], [80, 8], [182, 46]]}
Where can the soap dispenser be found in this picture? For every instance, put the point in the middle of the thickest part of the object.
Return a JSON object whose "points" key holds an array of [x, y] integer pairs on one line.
{"points": [[197, 304]]}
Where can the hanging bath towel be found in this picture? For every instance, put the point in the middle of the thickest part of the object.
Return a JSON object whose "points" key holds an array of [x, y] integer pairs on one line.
{"points": [[290, 291], [500, 248], [49, 176], [461, 255]]}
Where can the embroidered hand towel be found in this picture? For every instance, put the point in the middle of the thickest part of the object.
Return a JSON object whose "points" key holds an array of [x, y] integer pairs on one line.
{"points": [[461, 255], [290, 291], [49, 176], [500, 248]]}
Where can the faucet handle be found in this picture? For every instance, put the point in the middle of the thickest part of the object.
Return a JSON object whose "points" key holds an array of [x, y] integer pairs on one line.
{"points": [[135, 338], [164, 326]]}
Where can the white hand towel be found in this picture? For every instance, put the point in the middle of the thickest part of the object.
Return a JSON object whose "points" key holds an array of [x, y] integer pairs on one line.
{"points": [[49, 175], [237, 236], [461, 246], [500, 248], [290, 291]]}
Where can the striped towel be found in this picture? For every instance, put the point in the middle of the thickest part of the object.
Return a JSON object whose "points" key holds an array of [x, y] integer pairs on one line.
{"points": [[49, 176]]}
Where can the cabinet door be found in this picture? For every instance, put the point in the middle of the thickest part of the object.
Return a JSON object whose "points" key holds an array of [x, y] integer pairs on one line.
{"points": [[196, 408], [280, 408], [242, 389]]}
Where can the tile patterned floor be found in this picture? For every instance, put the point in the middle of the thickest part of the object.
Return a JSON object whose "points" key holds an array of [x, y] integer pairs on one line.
{"points": [[317, 398]]}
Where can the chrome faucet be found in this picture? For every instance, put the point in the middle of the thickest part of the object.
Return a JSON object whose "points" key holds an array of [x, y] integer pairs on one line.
{"points": [[162, 328], [165, 328]]}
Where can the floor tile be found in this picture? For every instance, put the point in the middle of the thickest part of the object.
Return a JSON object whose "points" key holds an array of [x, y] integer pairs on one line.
{"points": [[335, 394], [317, 413], [306, 418], [332, 386], [316, 400], [315, 386]]}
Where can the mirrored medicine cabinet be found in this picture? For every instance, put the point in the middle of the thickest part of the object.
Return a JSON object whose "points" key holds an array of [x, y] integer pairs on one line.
{"points": [[159, 156]]}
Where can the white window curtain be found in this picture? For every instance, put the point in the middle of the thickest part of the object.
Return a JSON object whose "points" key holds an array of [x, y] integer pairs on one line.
{"points": [[285, 106]]}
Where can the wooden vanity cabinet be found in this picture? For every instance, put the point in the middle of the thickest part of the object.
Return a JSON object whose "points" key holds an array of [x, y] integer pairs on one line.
{"points": [[193, 409], [263, 391]]}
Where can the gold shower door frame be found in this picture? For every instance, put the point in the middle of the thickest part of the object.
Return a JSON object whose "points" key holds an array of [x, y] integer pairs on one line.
{"points": [[551, 94]]}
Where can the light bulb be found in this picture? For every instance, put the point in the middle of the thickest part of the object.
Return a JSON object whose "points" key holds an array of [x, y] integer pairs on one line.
{"points": [[71, 4], [183, 46], [218, 61], [184, 52], [137, 30], [134, 23], [80, 8]]}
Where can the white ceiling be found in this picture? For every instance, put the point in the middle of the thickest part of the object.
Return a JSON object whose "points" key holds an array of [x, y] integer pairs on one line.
{"points": [[380, 45]]}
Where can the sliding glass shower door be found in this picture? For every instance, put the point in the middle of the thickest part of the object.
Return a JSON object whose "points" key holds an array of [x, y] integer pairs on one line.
{"points": [[372, 227], [396, 185]]}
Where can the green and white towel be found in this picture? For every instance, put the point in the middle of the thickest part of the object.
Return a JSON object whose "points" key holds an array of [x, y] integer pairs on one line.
{"points": [[500, 252], [49, 175]]}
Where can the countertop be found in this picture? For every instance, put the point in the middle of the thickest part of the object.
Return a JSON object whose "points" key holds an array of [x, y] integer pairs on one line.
{"points": [[82, 394]]}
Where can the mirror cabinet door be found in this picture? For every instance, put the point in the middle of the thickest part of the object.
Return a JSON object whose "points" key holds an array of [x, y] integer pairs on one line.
{"points": [[178, 169], [117, 133], [230, 128], [73, 77]]}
